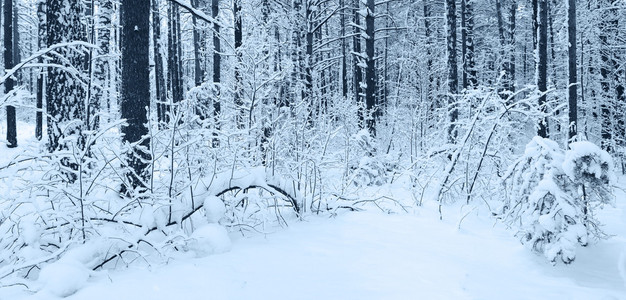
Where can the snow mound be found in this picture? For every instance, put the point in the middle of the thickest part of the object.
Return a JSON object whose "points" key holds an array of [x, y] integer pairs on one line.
{"points": [[64, 278], [214, 209], [209, 239]]}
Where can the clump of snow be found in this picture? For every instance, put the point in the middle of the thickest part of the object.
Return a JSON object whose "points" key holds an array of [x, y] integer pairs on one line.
{"points": [[214, 209], [64, 277], [586, 162], [209, 239], [549, 198]]}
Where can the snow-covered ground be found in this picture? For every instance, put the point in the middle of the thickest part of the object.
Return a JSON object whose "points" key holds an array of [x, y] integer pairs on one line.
{"points": [[372, 255]]}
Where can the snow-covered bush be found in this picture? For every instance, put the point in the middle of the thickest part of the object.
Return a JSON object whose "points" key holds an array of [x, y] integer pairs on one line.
{"points": [[547, 196], [369, 168]]}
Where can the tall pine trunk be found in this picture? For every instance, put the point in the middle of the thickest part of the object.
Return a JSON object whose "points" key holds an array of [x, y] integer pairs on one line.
{"points": [[197, 47], [542, 64], [135, 92], [65, 95], [217, 68], [571, 52], [467, 44], [344, 65], [453, 78], [8, 64], [358, 72], [370, 70], [160, 86], [238, 93], [102, 61], [41, 40]]}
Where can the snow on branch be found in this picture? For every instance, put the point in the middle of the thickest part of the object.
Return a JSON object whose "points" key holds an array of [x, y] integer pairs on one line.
{"points": [[42, 52]]}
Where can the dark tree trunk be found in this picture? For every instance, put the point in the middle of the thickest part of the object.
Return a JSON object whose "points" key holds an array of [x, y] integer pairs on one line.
{"points": [[135, 93], [197, 47], [507, 51], [535, 22], [470, 61], [453, 78], [503, 46], [160, 86], [358, 72], [41, 17], [571, 51], [370, 71], [344, 70], [8, 64], [102, 60], [238, 94], [432, 85], [542, 64], [512, 17], [174, 63], [17, 56], [217, 68], [65, 96], [308, 78]]}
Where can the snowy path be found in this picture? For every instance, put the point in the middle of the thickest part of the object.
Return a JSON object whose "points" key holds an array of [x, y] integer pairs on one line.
{"points": [[374, 256]]}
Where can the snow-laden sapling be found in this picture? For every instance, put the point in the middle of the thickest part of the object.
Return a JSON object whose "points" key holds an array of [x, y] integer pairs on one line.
{"points": [[371, 169], [548, 198]]}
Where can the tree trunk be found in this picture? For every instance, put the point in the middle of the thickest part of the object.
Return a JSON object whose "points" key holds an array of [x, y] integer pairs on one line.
{"points": [[197, 46], [65, 96], [8, 64], [217, 65], [41, 17], [344, 70], [358, 72], [370, 71], [308, 78], [160, 86], [135, 93], [100, 91], [238, 94], [512, 18], [453, 78], [571, 52], [542, 63]]}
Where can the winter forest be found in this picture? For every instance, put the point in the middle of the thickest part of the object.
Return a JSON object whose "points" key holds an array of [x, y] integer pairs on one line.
{"points": [[313, 149]]}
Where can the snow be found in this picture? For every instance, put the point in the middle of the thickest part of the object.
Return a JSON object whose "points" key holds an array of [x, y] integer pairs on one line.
{"points": [[210, 239], [371, 255], [354, 255], [598, 165], [214, 209], [63, 278]]}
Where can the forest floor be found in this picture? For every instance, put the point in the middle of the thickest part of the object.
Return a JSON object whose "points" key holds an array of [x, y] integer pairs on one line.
{"points": [[373, 255]]}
